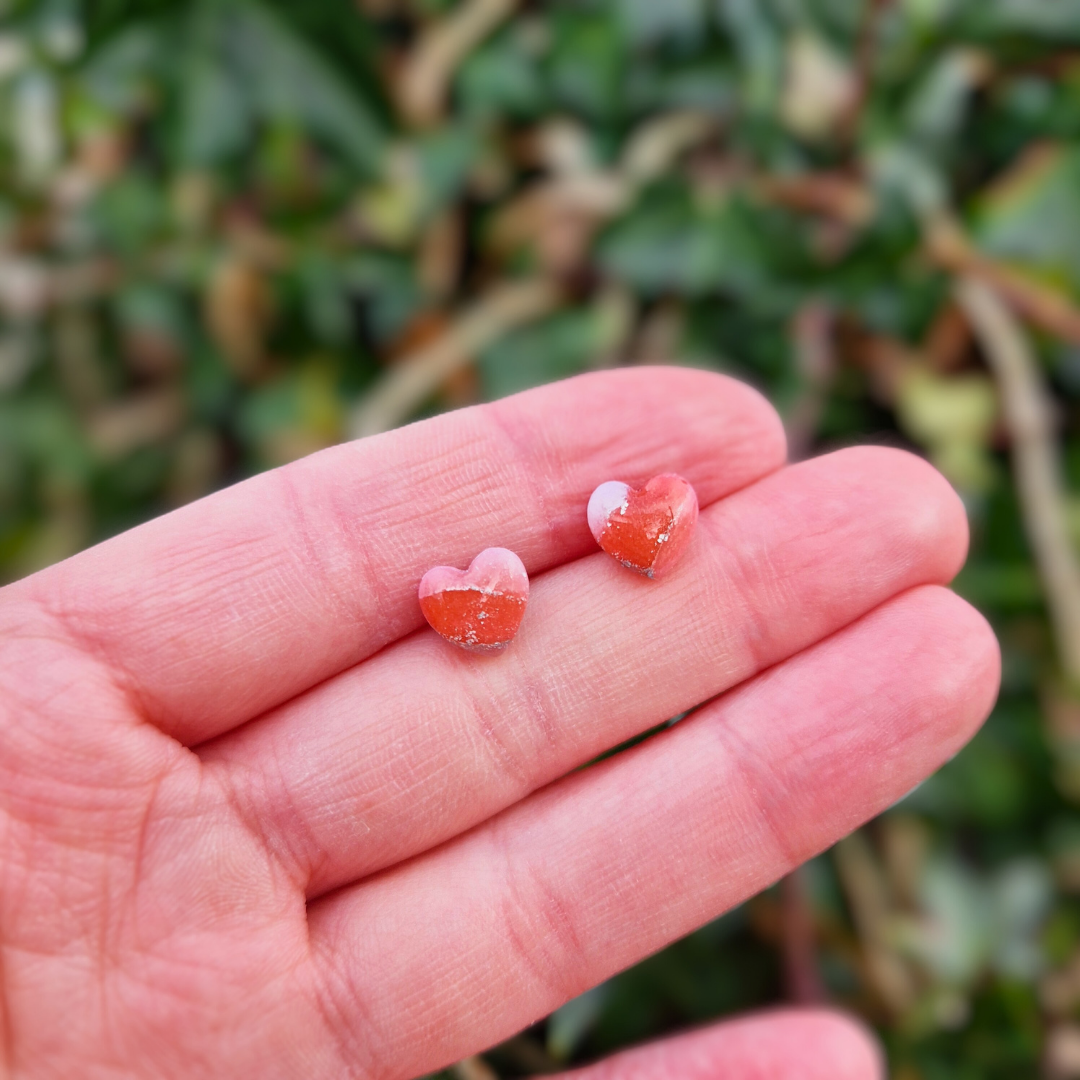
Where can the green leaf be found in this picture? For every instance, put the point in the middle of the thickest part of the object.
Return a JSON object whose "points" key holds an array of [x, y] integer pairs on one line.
{"points": [[1033, 216]]}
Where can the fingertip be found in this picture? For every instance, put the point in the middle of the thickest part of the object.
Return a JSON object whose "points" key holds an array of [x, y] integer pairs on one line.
{"points": [[967, 676], [731, 419], [796, 1044], [935, 524], [848, 1049]]}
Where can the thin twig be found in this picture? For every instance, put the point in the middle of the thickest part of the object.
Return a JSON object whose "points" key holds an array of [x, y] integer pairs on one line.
{"points": [[868, 897], [1029, 419], [1042, 306], [801, 975], [815, 356], [852, 203], [415, 378], [866, 51]]}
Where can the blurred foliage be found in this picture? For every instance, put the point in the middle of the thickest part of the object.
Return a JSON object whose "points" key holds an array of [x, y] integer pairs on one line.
{"points": [[227, 227]]}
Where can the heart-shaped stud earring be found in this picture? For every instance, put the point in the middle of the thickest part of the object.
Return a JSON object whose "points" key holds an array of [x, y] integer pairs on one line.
{"points": [[646, 529], [481, 608]]}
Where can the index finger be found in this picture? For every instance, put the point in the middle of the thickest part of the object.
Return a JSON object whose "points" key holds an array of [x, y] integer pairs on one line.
{"points": [[222, 610]]}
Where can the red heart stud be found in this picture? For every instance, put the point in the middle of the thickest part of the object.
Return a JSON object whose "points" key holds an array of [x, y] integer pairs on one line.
{"points": [[481, 608], [648, 528]]}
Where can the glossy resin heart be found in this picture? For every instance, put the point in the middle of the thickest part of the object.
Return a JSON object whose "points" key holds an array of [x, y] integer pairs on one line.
{"points": [[481, 608], [648, 528]]}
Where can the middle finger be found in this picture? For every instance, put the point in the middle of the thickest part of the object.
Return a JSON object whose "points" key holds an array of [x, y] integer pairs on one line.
{"points": [[423, 741]]}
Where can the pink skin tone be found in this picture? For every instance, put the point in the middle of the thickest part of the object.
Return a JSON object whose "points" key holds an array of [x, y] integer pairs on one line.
{"points": [[253, 824], [753, 1048]]}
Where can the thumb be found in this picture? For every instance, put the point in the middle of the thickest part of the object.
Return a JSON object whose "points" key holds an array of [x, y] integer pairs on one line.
{"points": [[811, 1044]]}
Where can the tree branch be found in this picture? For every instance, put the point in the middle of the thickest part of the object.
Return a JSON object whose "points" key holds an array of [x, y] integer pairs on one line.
{"points": [[1029, 419], [415, 378]]}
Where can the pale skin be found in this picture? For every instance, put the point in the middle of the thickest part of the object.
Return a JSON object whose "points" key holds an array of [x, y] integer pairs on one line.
{"points": [[256, 820]]}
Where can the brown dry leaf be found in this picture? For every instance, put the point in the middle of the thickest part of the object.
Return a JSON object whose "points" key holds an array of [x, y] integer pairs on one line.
{"points": [[888, 361], [26, 287], [238, 308], [820, 88], [949, 340], [559, 219], [424, 330], [657, 144], [152, 353], [461, 388], [103, 154], [562, 146], [439, 258], [137, 421], [424, 79], [1059, 991], [832, 194]]}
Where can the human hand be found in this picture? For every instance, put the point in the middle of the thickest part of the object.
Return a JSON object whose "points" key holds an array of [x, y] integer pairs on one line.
{"points": [[256, 822]]}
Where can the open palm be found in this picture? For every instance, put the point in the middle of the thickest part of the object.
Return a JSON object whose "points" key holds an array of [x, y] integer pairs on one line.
{"points": [[256, 821]]}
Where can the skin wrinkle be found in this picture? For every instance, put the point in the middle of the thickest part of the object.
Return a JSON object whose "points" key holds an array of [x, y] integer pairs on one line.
{"points": [[488, 718], [532, 462], [310, 555], [296, 870], [90, 648], [348, 1018], [759, 797], [556, 946], [539, 709], [754, 642], [139, 857]]}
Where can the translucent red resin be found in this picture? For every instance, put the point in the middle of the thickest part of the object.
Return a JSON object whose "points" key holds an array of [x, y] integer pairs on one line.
{"points": [[647, 529], [481, 608]]}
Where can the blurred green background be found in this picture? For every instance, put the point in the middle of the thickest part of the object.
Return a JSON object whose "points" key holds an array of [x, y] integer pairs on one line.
{"points": [[233, 232]]}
